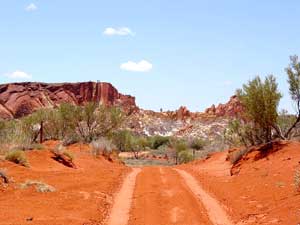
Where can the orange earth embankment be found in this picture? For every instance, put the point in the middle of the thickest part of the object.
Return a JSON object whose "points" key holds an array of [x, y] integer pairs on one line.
{"points": [[262, 189], [83, 195]]}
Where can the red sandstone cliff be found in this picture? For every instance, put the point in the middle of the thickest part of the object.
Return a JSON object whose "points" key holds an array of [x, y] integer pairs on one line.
{"points": [[19, 99]]}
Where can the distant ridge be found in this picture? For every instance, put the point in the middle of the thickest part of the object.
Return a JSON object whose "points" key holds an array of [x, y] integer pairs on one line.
{"points": [[20, 99]]}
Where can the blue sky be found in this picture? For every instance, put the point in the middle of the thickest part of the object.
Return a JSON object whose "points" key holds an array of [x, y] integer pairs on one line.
{"points": [[193, 53]]}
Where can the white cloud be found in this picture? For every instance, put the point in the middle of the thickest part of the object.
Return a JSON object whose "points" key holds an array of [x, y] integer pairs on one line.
{"points": [[19, 75], [142, 66], [121, 31], [31, 7]]}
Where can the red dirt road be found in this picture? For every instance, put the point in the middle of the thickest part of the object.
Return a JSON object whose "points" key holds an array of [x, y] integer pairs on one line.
{"points": [[262, 191], [121, 207], [164, 196]]}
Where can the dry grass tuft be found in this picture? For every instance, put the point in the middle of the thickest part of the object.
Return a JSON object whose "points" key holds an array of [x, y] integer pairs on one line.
{"points": [[39, 186], [235, 156], [18, 157]]}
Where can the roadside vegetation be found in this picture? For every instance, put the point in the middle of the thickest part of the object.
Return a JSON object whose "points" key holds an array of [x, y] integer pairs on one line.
{"points": [[261, 122]]}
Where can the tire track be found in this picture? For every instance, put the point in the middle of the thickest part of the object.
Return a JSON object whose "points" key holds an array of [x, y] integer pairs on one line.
{"points": [[120, 211], [216, 213]]}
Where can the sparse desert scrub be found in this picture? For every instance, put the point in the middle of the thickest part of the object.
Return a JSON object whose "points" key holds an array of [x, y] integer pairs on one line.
{"points": [[237, 155], [197, 143], [157, 141], [39, 186], [182, 152], [297, 180], [4, 176], [63, 156], [126, 141], [185, 157], [102, 146], [18, 157]]}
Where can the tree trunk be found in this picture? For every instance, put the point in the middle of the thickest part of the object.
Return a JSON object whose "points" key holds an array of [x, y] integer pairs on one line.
{"points": [[42, 132]]}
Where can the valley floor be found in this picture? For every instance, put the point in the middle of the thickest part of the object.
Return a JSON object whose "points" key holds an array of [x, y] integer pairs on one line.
{"points": [[261, 191]]}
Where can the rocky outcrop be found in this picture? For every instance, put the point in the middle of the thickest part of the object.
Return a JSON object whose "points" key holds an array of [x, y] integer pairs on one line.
{"points": [[233, 108], [180, 114], [20, 99]]}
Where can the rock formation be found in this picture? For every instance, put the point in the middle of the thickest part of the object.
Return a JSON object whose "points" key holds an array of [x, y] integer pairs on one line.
{"points": [[19, 99], [232, 108]]}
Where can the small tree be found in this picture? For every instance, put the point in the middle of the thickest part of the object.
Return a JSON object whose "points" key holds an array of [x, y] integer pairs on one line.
{"points": [[260, 100], [293, 72], [196, 144]]}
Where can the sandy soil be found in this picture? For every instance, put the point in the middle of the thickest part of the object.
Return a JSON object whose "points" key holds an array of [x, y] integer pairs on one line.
{"points": [[83, 195], [261, 191], [216, 212], [122, 202], [161, 197]]}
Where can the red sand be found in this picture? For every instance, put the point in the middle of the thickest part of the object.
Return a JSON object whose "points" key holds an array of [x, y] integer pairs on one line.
{"points": [[84, 195], [262, 191]]}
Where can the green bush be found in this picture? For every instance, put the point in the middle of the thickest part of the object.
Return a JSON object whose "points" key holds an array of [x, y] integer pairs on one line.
{"points": [[157, 141], [18, 157], [180, 146], [197, 144], [123, 140], [260, 99], [185, 156]]}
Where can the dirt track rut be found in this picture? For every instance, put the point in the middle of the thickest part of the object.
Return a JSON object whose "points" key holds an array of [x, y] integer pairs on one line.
{"points": [[165, 196]]}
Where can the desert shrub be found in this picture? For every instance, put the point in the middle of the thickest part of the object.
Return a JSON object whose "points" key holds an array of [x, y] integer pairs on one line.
{"points": [[138, 144], [98, 121], [157, 141], [237, 155], [69, 155], [185, 156], [127, 141], [12, 136], [260, 100], [123, 140], [4, 176], [180, 145], [33, 125], [75, 123], [37, 146], [39, 186], [239, 133], [71, 138], [286, 121], [18, 157], [297, 180], [63, 156], [142, 143], [293, 72], [197, 144], [102, 146]]}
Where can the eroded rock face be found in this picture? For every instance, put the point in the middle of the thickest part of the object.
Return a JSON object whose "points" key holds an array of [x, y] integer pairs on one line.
{"points": [[20, 99], [232, 108]]}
